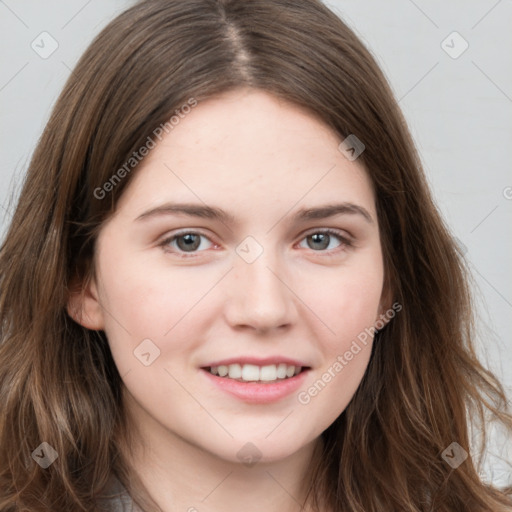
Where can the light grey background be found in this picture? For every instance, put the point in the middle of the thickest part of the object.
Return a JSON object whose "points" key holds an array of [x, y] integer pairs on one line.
{"points": [[459, 111]]}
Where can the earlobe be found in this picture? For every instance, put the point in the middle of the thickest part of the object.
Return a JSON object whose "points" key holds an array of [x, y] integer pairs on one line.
{"points": [[83, 306], [385, 305]]}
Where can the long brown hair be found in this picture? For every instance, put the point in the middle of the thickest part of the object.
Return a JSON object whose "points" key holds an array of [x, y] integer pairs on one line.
{"points": [[58, 383]]}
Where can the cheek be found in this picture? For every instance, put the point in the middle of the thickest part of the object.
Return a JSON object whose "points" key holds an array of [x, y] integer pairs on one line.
{"points": [[146, 301], [349, 308], [347, 303]]}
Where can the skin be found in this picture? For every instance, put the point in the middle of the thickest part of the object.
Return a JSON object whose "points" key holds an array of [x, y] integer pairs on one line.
{"points": [[261, 159]]}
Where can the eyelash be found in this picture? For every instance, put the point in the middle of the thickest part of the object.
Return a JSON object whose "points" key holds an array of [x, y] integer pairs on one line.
{"points": [[345, 242]]}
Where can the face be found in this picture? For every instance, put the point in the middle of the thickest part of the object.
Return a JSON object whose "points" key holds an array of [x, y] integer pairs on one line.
{"points": [[246, 244]]}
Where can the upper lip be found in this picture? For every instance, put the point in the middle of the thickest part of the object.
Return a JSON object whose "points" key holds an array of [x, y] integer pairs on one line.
{"points": [[258, 361]]}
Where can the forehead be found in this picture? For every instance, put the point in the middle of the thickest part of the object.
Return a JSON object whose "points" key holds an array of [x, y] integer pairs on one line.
{"points": [[248, 147]]}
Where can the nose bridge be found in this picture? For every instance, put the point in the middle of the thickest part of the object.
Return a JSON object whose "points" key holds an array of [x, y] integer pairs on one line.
{"points": [[259, 296]]}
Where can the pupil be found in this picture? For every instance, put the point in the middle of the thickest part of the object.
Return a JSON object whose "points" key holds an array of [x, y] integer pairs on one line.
{"points": [[317, 238], [189, 243]]}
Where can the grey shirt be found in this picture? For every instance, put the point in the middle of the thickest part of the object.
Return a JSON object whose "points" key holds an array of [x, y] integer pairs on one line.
{"points": [[117, 499]]}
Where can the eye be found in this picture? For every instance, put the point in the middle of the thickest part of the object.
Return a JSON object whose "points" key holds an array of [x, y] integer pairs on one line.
{"points": [[320, 240], [190, 241], [186, 242]]}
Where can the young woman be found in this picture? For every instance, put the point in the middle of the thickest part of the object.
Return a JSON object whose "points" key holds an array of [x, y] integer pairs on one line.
{"points": [[226, 284]]}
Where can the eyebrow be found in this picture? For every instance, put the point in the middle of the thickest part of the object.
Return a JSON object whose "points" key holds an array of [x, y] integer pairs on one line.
{"points": [[211, 212]]}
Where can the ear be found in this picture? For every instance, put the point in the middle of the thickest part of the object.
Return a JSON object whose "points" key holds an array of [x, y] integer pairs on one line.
{"points": [[83, 305], [385, 305]]}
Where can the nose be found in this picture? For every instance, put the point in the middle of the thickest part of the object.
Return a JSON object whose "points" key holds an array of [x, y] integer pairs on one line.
{"points": [[260, 295]]}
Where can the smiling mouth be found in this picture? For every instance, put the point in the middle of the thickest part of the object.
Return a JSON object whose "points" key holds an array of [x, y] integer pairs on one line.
{"points": [[253, 373]]}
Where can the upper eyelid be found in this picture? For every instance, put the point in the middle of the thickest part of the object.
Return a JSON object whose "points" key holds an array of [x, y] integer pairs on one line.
{"points": [[336, 231]]}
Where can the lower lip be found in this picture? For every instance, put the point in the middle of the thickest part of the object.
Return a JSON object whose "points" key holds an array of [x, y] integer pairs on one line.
{"points": [[255, 392]]}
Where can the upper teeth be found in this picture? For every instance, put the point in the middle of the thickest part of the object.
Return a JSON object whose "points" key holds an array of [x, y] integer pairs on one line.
{"points": [[252, 372]]}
